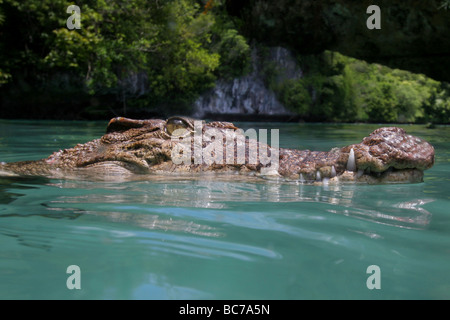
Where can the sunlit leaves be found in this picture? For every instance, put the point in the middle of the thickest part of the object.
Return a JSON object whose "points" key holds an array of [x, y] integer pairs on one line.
{"points": [[339, 88]]}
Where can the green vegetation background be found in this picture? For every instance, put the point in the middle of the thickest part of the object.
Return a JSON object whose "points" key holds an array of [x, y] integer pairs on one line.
{"points": [[157, 57]]}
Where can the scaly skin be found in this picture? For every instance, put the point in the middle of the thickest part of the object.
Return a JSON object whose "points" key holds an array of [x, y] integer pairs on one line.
{"points": [[139, 147]]}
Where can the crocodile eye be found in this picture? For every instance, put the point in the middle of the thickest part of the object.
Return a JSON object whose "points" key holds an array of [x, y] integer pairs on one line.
{"points": [[173, 125]]}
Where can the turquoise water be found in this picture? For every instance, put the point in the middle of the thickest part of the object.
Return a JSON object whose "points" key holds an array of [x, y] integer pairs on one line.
{"points": [[209, 239]]}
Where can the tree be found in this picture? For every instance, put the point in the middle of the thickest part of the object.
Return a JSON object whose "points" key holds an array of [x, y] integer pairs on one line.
{"points": [[161, 52]]}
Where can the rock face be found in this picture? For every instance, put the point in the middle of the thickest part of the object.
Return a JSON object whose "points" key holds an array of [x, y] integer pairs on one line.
{"points": [[414, 34], [248, 95]]}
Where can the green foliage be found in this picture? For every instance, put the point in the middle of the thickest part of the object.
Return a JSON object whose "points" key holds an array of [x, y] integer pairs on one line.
{"points": [[4, 76], [295, 96], [438, 110], [180, 47], [160, 55], [339, 88], [234, 54], [166, 40], [381, 104], [445, 4]]}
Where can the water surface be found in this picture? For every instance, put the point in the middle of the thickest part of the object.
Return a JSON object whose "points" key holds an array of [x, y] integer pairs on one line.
{"points": [[228, 239]]}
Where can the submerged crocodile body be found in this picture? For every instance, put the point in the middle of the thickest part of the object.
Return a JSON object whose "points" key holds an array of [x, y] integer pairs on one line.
{"points": [[139, 147]]}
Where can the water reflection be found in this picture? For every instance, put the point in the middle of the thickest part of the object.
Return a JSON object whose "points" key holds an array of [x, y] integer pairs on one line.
{"points": [[17, 184], [157, 222], [147, 203], [396, 205]]}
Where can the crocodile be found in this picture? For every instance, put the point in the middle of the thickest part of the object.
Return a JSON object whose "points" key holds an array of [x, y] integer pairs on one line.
{"points": [[141, 148]]}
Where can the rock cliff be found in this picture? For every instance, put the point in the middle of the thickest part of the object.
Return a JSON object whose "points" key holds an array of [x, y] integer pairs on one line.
{"points": [[249, 95]]}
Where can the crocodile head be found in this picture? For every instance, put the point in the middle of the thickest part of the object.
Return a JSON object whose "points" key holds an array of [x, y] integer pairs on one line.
{"points": [[387, 155], [182, 145], [391, 155], [145, 146]]}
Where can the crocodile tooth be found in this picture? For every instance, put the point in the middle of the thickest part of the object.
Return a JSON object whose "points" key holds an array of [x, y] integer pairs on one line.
{"points": [[302, 179], [325, 181], [351, 163], [333, 171], [318, 176]]}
